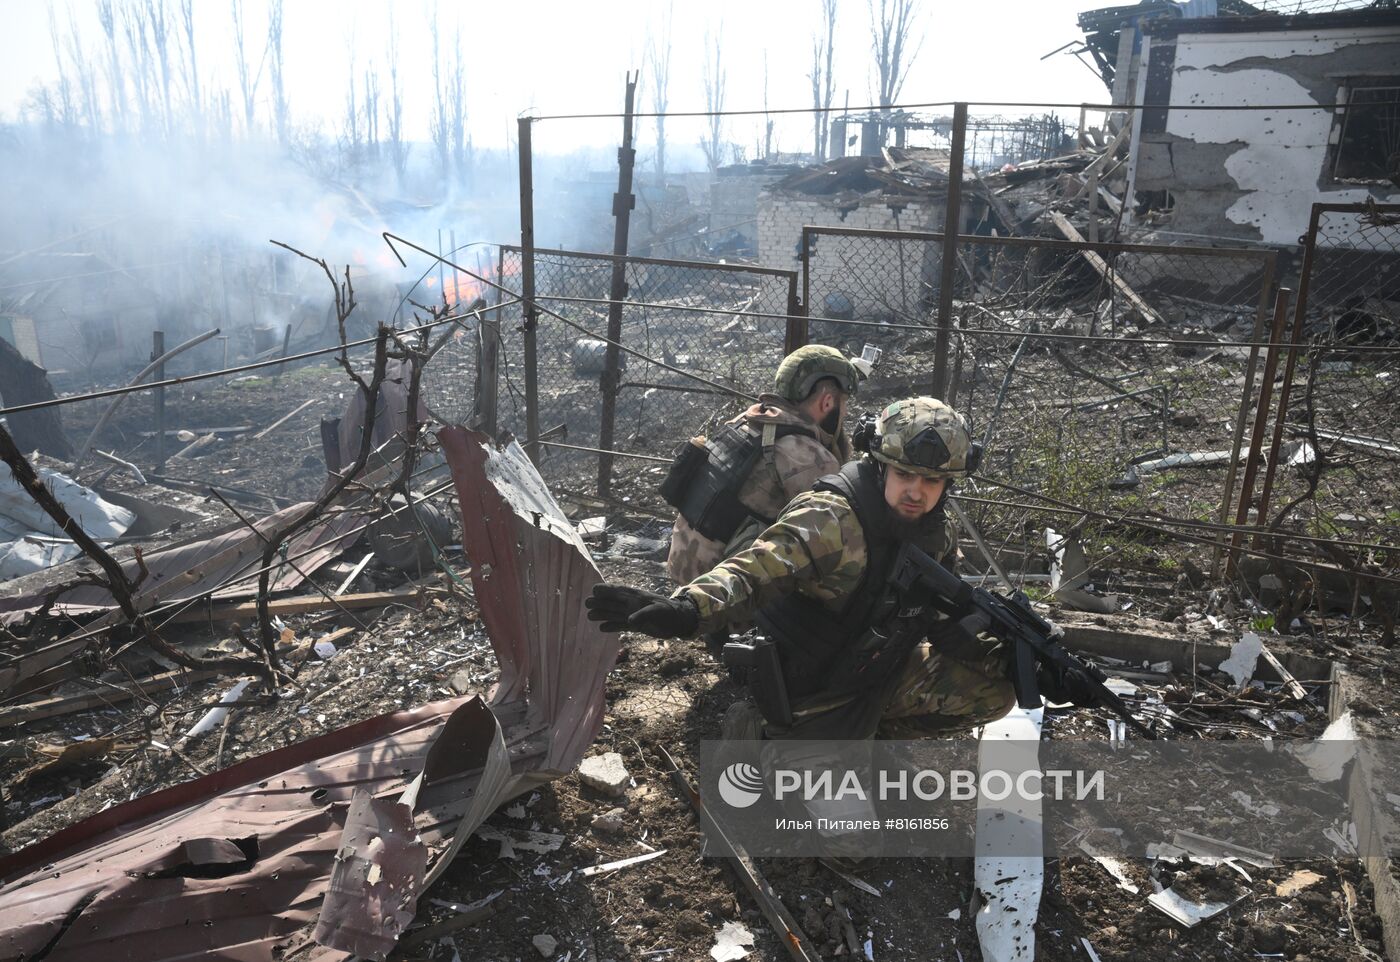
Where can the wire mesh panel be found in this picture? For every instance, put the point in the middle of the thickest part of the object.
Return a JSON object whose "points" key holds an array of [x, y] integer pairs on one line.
{"points": [[723, 324], [1338, 475], [1106, 377], [881, 277]]}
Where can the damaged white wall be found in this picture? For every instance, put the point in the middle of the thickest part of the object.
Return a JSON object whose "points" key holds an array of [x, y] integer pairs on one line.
{"points": [[1254, 174]]}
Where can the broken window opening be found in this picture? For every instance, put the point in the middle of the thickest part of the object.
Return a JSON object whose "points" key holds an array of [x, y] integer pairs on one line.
{"points": [[1368, 143]]}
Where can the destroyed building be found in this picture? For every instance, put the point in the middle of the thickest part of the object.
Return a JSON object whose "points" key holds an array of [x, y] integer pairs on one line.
{"points": [[295, 664], [1250, 175]]}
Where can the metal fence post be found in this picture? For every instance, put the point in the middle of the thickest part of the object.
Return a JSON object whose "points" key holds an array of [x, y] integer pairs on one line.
{"points": [[1300, 312], [487, 374], [158, 349], [1227, 497], [527, 289], [952, 222], [1261, 421], [796, 333], [623, 202]]}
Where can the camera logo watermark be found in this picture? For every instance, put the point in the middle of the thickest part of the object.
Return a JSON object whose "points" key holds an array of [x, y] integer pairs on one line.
{"points": [[740, 785]]}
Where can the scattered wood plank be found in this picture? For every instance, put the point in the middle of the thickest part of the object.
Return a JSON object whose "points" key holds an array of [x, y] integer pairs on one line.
{"points": [[285, 418], [1094, 169], [1099, 264], [194, 447], [620, 863], [171, 432], [68, 704], [300, 605], [1290, 684], [354, 573]]}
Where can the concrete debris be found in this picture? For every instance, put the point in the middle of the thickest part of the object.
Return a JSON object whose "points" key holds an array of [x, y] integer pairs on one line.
{"points": [[610, 822], [605, 773], [545, 944]]}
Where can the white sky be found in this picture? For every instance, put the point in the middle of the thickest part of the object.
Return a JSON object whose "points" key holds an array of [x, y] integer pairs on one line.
{"points": [[553, 56]]}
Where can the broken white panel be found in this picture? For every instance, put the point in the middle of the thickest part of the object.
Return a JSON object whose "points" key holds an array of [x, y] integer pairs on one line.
{"points": [[1113, 866], [1006, 918], [732, 941], [1185, 911], [1326, 761], [1244, 656], [29, 538], [1093, 956], [218, 713]]}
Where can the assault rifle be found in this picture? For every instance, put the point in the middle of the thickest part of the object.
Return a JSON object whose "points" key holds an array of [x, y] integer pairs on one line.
{"points": [[1030, 637]]}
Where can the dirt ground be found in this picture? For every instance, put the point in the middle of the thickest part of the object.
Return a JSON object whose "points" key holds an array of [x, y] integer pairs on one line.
{"points": [[670, 695]]}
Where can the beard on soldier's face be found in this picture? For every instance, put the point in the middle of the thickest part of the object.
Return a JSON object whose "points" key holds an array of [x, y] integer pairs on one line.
{"points": [[832, 422], [905, 529]]}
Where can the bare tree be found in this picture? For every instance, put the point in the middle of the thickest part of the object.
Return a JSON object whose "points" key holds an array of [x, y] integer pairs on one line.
{"points": [[248, 78], [116, 86], [371, 114], [191, 61], [823, 79], [138, 48], [457, 108], [58, 105], [158, 19], [350, 126], [279, 90], [86, 77], [659, 58], [767, 145], [438, 124], [713, 75], [890, 28], [398, 150]]}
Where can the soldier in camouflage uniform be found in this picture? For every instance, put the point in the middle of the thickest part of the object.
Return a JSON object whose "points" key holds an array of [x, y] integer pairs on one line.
{"points": [[799, 428], [816, 582]]}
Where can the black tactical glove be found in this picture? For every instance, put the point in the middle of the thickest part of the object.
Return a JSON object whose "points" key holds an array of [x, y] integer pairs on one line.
{"points": [[621, 608], [1073, 685]]}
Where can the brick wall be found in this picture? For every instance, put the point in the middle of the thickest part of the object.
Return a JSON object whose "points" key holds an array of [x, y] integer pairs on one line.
{"points": [[880, 286]]}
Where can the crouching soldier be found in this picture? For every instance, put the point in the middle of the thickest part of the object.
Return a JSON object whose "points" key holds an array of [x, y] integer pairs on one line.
{"points": [[730, 486], [854, 655]]}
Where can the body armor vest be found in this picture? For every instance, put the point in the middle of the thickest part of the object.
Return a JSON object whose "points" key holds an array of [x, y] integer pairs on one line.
{"points": [[864, 645], [704, 480]]}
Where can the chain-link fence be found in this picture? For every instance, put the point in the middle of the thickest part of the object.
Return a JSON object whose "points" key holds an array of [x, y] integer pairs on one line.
{"points": [[1117, 379], [688, 323], [1335, 473]]}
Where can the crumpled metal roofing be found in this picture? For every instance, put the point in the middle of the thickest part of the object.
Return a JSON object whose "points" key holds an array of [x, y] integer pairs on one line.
{"points": [[304, 853]]}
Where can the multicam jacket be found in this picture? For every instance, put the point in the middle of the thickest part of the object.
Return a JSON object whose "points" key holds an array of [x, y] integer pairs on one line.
{"points": [[797, 463], [816, 548]]}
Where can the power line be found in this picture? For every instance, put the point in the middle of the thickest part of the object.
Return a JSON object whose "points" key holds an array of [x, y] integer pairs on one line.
{"points": [[977, 331], [892, 108], [224, 372]]}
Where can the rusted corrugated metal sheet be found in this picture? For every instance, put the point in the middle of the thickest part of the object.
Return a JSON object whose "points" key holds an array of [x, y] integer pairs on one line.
{"points": [[239, 864]]}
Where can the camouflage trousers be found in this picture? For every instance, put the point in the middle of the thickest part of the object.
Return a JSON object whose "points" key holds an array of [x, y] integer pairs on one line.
{"points": [[935, 694]]}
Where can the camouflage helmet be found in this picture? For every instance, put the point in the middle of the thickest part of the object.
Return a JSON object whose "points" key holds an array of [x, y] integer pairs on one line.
{"points": [[922, 435], [804, 367]]}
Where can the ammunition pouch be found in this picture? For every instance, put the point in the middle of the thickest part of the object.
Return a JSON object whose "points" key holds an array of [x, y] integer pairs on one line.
{"points": [[705, 477]]}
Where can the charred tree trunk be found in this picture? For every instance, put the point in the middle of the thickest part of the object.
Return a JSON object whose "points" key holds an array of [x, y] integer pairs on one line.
{"points": [[24, 382]]}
